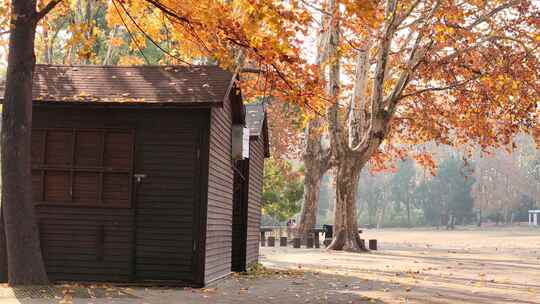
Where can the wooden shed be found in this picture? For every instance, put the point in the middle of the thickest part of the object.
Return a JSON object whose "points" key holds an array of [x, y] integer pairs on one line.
{"points": [[133, 175], [248, 181]]}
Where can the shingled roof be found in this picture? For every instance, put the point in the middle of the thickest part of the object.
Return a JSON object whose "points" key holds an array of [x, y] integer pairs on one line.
{"points": [[197, 85]]}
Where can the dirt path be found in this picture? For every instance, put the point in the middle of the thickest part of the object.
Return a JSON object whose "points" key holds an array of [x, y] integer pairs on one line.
{"points": [[412, 266], [429, 266]]}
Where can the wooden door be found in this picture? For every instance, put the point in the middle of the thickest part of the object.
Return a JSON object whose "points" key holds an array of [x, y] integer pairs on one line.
{"points": [[167, 177], [240, 208]]}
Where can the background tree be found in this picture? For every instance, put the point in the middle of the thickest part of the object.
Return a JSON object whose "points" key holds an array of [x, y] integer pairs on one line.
{"points": [[504, 181], [282, 190], [374, 195], [403, 185]]}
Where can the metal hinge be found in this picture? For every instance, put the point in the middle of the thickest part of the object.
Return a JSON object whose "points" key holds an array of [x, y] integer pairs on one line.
{"points": [[194, 246], [139, 177]]}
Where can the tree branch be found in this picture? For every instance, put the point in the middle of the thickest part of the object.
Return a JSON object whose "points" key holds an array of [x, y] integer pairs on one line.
{"points": [[49, 7], [444, 88], [357, 115], [148, 36], [414, 60], [483, 18], [320, 10], [408, 13]]}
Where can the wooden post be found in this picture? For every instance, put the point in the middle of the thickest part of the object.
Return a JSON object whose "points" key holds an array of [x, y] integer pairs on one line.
{"points": [[373, 244], [309, 242], [296, 242], [263, 239], [283, 241], [271, 241]]}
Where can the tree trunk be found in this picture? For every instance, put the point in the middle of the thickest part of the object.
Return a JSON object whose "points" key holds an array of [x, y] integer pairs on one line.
{"points": [[315, 165], [408, 204], [46, 46], [25, 262], [479, 219], [108, 54], [380, 217], [346, 235], [3, 251], [316, 159]]}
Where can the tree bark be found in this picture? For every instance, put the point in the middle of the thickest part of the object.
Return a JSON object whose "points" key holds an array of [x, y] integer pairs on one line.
{"points": [[46, 46], [3, 251], [315, 165], [408, 204], [316, 158], [109, 52], [25, 262], [346, 235], [479, 218]]}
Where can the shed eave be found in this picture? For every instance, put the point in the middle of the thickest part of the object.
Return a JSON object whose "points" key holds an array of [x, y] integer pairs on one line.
{"points": [[42, 102]]}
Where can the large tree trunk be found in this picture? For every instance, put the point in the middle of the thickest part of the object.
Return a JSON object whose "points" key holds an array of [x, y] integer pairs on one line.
{"points": [[25, 262], [316, 159], [3, 251], [346, 235], [316, 163], [314, 168]]}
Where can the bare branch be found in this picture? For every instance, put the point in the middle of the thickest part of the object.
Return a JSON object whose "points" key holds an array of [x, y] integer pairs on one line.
{"points": [[407, 13], [319, 9], [496, 10], [49, 7], [415, 57], [357, 114], [129, 33], [333, 76], [148, 36], [382, 58], [444, 88]]}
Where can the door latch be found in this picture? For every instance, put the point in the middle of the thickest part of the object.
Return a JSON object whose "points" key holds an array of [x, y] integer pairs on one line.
{"points": [[139, 177]]}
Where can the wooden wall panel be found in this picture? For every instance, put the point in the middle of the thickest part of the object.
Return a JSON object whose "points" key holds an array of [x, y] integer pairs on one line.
{"points": [[97, 243], [85, 187], [89, 148], [256, 166], [220, 196], [73, 248], [59, 147]]}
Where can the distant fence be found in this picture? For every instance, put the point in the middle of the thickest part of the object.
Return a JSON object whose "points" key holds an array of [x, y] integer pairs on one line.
{"points": [[286, 235]]}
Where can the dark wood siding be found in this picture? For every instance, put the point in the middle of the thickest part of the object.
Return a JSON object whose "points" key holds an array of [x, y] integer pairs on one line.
{"points": [[166, 202], [256, 166], [82, 166], [240, 208], [86, 243], [98, 243], [220, 196]]}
